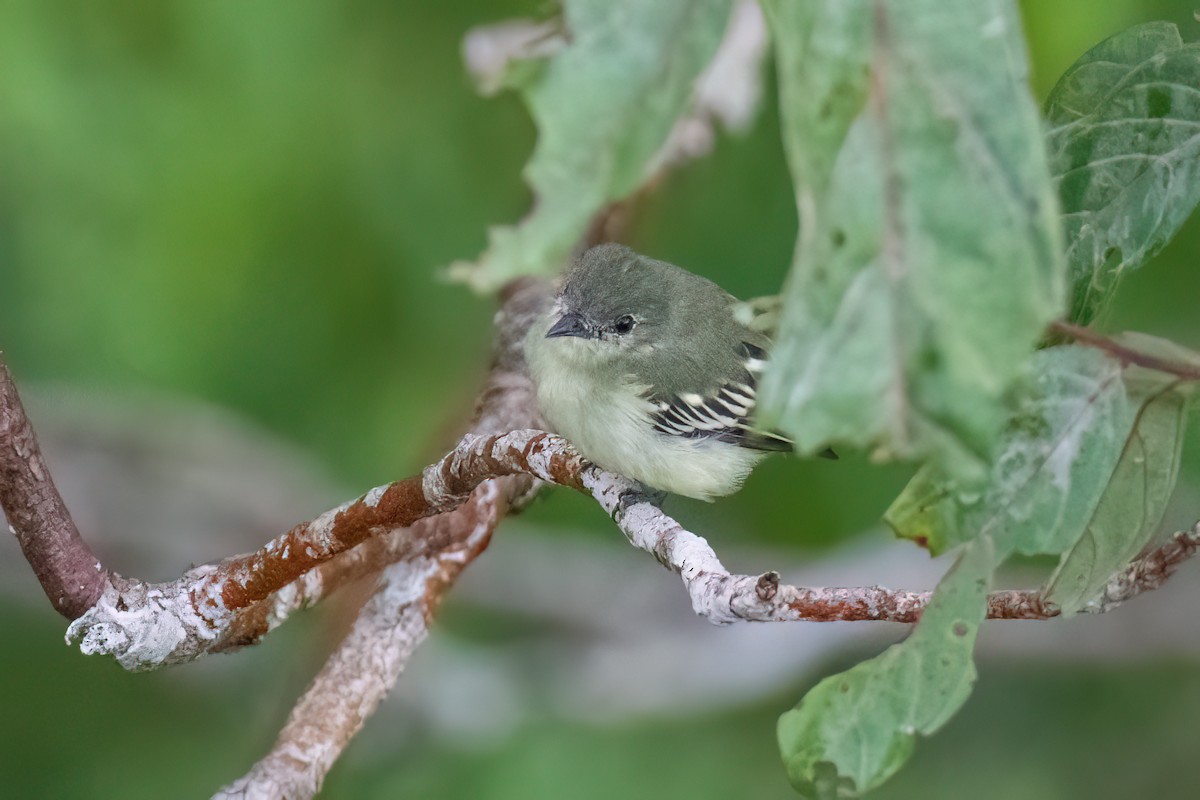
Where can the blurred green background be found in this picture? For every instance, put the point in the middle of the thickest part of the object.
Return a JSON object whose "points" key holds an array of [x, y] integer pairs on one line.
{"points": [[246, 203]]}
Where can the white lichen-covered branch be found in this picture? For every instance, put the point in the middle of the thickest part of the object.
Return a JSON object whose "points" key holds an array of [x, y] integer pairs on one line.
{"points": [[722, 597], [368, 661], [234, 602], [390, 626]]}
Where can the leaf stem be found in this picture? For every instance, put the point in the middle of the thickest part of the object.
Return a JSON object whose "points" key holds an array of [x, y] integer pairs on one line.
{"points": [[1127, 355]]}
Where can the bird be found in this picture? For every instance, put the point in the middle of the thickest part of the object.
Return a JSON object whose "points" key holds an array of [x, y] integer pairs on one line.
{"points": [[652, 372]]}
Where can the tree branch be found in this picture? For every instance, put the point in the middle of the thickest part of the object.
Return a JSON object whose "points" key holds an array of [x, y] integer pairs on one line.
{"points": [[366, 664], [218, 606], [69, 571], [718, 595], [368, 661], [149, 625], [1148, 572]]}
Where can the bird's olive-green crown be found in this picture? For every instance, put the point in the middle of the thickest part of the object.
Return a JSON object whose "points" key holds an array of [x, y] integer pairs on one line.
{"points": [[686, 338]]}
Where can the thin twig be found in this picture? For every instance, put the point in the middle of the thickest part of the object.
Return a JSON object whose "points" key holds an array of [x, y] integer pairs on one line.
{"points": [[1127, 355], [722, 597], [1148, 572], [369, 558]]}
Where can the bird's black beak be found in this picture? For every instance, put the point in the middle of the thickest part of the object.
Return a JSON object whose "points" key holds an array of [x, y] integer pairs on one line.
{"points": [[569, 324]]}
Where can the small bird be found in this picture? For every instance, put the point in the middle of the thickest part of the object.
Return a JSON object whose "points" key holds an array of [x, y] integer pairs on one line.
{"points": [[645, 368]]}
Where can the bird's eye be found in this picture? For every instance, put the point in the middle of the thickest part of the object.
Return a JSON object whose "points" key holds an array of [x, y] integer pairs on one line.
{"points": [[624, 324]]}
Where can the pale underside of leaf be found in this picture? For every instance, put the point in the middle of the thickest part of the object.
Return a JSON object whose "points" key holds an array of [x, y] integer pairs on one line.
{"points": [[1130, 512], [1085, 468]]}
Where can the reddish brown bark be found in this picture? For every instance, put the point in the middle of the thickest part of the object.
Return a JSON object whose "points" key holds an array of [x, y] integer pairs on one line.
{"points": [[69, 571]]}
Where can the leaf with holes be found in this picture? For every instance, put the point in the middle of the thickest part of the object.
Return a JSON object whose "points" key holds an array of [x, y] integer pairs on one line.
{"points": [[855, 729], [1125, 150]]}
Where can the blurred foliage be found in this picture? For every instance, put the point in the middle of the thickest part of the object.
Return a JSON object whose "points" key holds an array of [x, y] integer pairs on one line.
{"points": [[993, 750], [247, 203], [604, 104]]}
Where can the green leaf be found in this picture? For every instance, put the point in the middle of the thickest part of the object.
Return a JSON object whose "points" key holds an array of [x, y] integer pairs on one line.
{"points": [[1087, 462], [853, 730], [929, 256], [1125, 150], [1131, 510], [603, 105], [1056, 457], [1086, 467]]}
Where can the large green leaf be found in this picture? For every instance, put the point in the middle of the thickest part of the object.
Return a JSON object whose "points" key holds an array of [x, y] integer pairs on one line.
{"points": [[603, 105], [929, 256], [853, 730], [1125, 150]]}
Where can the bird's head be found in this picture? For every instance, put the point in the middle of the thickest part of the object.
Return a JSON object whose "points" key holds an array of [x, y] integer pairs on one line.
{"points": [[613, 301]]}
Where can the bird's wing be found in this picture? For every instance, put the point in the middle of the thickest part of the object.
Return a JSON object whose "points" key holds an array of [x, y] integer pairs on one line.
{"points": [[760, 314], [722, 415]]}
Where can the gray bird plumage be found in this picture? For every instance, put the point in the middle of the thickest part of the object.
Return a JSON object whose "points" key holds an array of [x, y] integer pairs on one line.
{"points": [[688, 335]]}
